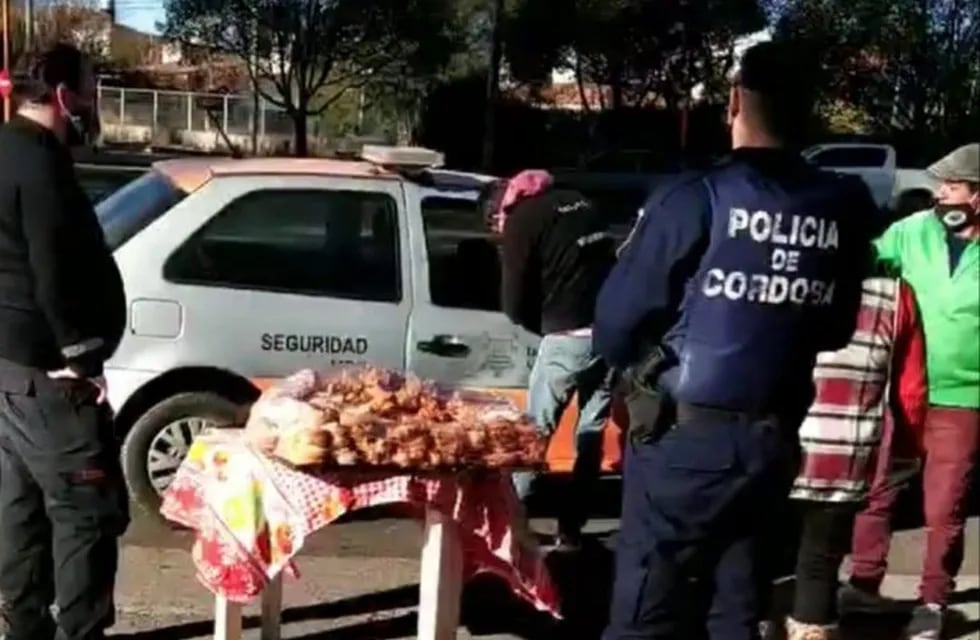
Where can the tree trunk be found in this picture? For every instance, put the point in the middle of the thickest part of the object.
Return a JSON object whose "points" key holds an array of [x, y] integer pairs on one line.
{"points": [[493, 86], [616, 82], [301, 145], [256, 115], [580, 83]]}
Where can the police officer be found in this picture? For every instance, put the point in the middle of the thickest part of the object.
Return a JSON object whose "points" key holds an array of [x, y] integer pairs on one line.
{"points": [[733, 280], [62, 312]]}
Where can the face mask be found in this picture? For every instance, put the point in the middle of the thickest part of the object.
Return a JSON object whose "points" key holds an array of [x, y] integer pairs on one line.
{"points": [[83, 125], [83, 128], [956, 217]]}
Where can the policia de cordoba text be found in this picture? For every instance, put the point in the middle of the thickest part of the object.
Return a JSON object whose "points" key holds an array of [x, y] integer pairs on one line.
{"points": [[789, 234]]}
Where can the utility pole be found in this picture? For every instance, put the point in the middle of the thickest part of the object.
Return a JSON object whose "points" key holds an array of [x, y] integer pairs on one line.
{"points": [[257, 112], [6, 55], [28, 25]]}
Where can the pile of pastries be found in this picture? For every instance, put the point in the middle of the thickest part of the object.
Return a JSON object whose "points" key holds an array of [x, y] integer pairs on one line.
{"points": [[379, 418]]}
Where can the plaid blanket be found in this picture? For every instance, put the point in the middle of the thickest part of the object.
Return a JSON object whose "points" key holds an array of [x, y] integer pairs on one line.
{"points": [[876, 382]]}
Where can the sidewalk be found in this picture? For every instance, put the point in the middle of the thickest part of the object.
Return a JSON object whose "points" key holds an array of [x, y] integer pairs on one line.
{"points": [[342, 598]]}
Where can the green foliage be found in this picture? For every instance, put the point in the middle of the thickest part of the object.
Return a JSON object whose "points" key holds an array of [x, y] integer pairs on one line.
{"points": [[907, 66], [841, 118], [645, 52], [340, 118], [304, 55], [396, 92]]}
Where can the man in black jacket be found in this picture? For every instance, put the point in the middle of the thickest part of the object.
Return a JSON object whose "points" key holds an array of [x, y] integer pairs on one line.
{"points": [[556, 251], [62, 313]]}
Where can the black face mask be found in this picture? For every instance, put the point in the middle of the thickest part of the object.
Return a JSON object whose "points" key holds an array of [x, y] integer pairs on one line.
{"points": [[956, 217], [83, 127]]}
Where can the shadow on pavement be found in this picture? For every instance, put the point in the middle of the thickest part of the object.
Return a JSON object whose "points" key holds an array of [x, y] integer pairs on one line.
{"points": [[958, 626], [402, 626], [359, 605], [891, 627], [585, 582]]}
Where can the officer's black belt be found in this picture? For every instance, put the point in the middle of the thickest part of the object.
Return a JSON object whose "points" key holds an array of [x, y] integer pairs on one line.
{"points": [[690, 413]]}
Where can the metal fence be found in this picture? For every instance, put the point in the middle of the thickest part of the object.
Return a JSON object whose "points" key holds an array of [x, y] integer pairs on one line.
{"points": [[203, 121], [169, 116]]}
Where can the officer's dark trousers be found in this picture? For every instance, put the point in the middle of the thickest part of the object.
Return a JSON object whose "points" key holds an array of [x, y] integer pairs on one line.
{"points": [[696, 504], [62, 510]]}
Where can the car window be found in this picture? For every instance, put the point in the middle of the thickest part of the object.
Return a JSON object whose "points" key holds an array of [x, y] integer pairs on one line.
{"points": [[464, 256], [341, 244], [133, 207], [101, 182], [851, 157]]}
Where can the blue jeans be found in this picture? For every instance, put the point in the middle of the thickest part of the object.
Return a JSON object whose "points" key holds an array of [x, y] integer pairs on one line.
{"points": [[566, 365]]}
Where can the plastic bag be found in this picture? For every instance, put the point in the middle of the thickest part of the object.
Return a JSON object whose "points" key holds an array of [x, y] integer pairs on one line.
{"points": [[381, 418]]}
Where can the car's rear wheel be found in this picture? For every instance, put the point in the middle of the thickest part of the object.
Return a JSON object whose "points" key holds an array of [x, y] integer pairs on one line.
{"points": [[159, 440]]}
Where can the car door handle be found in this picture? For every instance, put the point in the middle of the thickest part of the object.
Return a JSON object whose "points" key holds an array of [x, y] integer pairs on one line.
{"points": [[446, 346]]}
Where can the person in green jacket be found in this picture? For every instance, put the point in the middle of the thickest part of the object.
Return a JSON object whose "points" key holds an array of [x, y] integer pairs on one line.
{"points": [[937, 252]]}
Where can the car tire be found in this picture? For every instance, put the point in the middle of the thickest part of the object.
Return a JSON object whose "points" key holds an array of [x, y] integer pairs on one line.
{"points": [[199, 408]]}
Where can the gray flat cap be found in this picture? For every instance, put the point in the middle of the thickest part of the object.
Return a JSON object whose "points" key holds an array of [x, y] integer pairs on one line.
{"points": [[962, 165]]}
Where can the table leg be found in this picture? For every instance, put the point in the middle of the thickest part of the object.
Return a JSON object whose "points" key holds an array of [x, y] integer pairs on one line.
{"points": [[227, 619], [272, 610], [441, 581]]}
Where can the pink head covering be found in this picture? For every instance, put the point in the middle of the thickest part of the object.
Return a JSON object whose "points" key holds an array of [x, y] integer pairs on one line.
{"points": [[525, 184]]}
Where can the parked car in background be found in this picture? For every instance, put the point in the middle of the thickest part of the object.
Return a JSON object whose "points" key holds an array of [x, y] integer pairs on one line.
{"points": [[899, 191], [240, 272]]}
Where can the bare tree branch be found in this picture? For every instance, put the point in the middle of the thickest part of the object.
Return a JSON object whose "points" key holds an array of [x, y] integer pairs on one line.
{"points": [[312, 52]]}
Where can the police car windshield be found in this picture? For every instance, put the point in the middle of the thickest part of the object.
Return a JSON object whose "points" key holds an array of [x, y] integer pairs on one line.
{"points": [[133, 207]]}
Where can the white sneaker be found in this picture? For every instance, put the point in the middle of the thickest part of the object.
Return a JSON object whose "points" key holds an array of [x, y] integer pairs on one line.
{"points": [[772, 630], [800, 631], [926, 623]]}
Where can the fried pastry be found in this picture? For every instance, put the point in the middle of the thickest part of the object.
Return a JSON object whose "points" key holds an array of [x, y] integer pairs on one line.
{"points": [[379, 418]]}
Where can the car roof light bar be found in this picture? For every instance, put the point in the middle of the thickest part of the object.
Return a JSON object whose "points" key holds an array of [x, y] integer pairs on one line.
{"points": [[402, 158]]}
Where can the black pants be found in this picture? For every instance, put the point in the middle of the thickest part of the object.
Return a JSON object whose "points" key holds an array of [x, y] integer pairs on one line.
{"points": [[825, 540], [62, 509], [695, 506]]}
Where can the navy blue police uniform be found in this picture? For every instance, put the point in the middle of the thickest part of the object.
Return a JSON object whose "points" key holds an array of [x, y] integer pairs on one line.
{"points": [[740, 275]]}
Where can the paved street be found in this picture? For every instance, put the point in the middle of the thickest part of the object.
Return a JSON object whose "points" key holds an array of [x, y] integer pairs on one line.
{"points": [[360, 583]]}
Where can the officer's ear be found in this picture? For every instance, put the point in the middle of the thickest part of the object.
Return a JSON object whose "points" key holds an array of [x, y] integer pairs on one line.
{"points": [[734, 104], [64, 99]]}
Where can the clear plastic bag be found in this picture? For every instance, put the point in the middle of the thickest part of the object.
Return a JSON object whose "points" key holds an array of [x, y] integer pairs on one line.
{"points": [[382, 418]]}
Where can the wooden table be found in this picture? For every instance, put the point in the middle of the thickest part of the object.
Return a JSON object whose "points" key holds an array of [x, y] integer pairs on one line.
{"points": [[441, 585]]}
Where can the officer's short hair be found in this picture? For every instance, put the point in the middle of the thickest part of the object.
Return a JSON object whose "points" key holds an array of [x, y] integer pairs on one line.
{"points": [[61, 63], [776, 79]]}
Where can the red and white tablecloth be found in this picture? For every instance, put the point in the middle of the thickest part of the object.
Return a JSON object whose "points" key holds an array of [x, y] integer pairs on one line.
{"points": [[252, 515]]}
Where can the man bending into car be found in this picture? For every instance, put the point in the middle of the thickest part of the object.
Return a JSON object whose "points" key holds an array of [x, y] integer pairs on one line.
{"points": [[556, 252]]}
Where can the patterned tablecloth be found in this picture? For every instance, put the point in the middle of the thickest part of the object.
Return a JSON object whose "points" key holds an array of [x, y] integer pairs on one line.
{"points": [[252, 515]]}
